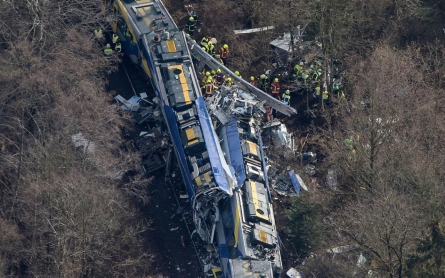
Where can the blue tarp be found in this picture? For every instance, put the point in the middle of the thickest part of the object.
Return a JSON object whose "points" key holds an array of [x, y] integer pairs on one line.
{"points": [[236, 154], [211, 144], [266, 179], [295, 182]]}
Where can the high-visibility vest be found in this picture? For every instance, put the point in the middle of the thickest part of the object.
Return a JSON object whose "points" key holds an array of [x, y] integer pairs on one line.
{"points": [[114, 38], [108, 51], [263, 81], [210, 49], [315, 75], [191, 26], [325, 95], [209, 88], [298, 69], [286, 98], [204, 41], [118, 48], [98, 33]]}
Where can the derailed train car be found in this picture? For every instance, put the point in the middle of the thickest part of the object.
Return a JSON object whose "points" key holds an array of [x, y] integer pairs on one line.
{"points": [[220, 156]]}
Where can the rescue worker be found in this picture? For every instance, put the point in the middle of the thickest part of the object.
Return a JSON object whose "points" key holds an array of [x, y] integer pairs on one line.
{"points": [[238, 74], [286, 97], [223, 52], [252, 81], [213, 74], [114, 38], [98, 34], [204, 79], [275, 88], [118, 47], [210, 48], [264, 80], [108, 51], [191, 24], [325, 94], [298, 69], [204, 41], [315, 75], [219, 77], [228, 81], [218, 58], [304, 78], [209, 88]]}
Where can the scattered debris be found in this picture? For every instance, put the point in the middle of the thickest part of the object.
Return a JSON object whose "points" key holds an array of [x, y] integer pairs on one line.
{"points": [[141, 109], [174, 229], [341, 249], [361, 260], [253, 30], [310, 170], [297, 182], [182, 241], [79, 140], [331, 179], [293, 273]]}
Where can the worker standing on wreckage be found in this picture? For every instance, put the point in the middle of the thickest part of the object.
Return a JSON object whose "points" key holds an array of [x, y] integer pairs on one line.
{"points": [[191, 25], [275, 89], [223, 52]]}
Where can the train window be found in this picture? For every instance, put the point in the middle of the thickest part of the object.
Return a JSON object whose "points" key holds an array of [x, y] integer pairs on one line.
{"points": [[231, 247], [228, 226]]}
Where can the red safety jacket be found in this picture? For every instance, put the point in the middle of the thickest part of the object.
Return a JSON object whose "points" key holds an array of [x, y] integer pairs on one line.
{"points": [[223, 52]]}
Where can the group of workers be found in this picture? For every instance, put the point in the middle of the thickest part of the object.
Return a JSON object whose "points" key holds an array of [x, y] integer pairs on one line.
{"points": [[108, 49], [309, 75], [208, 44]]}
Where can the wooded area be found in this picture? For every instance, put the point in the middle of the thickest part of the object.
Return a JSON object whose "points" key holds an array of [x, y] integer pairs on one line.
{"points": [[65, 212]]}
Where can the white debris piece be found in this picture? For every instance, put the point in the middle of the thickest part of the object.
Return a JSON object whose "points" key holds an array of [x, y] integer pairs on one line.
{"points": [[341, 249], [253, 30], [293, 273], [79, 140]]}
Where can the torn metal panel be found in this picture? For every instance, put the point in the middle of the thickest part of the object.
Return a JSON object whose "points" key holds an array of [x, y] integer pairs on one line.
{"points": [[293, 273], [253, 30]]}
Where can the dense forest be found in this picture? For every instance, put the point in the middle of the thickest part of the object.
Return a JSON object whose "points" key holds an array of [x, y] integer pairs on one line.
{"points": [[66, 212]]}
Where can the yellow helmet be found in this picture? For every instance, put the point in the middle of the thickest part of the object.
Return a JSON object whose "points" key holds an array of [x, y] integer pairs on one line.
{"points": [[210, 79], [229, 79], [237, 73], [225, 46], [218, 70], [208, 73], [275, 80], [213, 72], [191, 18], [252, 78], [287, 92]]}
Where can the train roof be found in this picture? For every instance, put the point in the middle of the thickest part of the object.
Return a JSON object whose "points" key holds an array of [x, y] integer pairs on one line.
{"points": [[147, 16]]}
